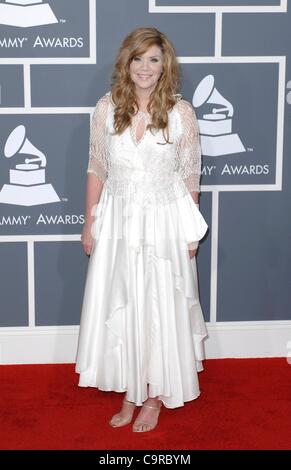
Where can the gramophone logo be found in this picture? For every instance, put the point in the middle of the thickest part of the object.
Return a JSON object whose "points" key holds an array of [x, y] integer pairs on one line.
{"points": [[27, 186], [25, 13], [217, 137]]}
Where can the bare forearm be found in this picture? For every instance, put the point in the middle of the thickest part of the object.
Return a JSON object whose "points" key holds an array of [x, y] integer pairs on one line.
{"points": [[93, 192]]}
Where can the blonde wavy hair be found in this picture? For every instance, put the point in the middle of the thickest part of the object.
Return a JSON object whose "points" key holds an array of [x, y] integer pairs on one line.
{"points": [[162, 99]]}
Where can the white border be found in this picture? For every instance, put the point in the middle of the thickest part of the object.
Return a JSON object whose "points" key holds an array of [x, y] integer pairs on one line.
{"points": [[91, 59], [153, 8], [46, 345], [214, 255], [281, 61]]}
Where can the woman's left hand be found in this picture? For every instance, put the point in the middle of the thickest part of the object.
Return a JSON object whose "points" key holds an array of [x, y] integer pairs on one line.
{"points": [[192, 252]]}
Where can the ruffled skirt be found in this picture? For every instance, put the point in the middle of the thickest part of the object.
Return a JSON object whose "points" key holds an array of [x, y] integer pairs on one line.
{"points": [[142, 326]]}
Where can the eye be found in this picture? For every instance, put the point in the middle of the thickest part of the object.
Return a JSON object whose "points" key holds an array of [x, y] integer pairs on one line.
{"points": [[154, 60], [136, 58]]}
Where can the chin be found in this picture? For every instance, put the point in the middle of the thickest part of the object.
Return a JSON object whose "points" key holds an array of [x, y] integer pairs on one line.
{"points": [[146, 85]]}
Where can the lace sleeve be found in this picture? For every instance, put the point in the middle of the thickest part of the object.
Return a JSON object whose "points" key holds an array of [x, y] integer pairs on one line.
{"points": [[189, 149], [98, 155]]}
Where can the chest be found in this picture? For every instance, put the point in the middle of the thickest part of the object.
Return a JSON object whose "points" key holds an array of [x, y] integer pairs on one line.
{"points": [[139, 140], [139, 129]]}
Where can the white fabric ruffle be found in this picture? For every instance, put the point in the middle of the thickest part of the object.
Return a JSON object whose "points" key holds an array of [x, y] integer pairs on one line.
{"points": [[141, 318]]}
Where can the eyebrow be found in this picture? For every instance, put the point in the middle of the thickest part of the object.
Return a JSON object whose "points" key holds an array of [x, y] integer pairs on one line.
{"points": [[151, 57]]}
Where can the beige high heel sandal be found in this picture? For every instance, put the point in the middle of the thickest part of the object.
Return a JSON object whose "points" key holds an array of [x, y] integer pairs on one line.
{"points": [[117, 421], [139, 424]]}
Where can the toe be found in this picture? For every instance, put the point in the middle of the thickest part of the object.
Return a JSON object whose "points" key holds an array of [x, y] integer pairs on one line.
{"points": [[137, 427]]}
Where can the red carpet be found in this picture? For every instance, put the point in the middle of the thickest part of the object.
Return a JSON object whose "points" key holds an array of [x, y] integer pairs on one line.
{"points": [[244, 404]]}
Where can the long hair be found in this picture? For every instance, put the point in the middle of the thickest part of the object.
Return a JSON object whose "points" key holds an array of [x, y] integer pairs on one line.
{"points": [[162, 99]]}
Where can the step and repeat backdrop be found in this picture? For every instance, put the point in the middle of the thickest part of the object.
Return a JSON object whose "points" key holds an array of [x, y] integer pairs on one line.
{"points": [[56, 58]]}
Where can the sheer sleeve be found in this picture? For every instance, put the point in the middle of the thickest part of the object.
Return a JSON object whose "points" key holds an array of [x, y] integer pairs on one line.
{"points": [[189, 149], [98, 154]]}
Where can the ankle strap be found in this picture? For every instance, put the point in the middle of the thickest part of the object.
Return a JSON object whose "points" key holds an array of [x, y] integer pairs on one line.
{"points": [[153, 407], [129, 402]]}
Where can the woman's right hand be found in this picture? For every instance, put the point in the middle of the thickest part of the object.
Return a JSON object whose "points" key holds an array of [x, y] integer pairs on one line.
{"points": [[87, 239]]}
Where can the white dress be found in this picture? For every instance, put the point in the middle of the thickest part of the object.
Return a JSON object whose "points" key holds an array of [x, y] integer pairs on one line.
{"points": [[141, 321]]}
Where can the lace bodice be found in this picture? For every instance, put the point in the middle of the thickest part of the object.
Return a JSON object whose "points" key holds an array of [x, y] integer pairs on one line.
{"points": [[142, 167]]}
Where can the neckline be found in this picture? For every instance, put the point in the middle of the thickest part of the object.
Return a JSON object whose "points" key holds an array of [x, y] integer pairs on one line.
{"points": [[133, 128]]}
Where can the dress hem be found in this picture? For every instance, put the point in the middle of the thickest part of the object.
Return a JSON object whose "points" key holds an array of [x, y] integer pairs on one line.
{"points": [[194, 397]]}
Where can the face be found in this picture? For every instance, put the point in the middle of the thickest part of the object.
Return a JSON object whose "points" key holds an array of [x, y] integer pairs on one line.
{"points": [[145, 69]]}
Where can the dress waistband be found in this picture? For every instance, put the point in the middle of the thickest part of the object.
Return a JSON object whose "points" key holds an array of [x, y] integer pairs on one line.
{"points": [[145, 187], [121, 172]]}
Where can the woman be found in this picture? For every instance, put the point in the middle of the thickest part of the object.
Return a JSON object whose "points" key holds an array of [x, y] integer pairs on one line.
{"points": [[142, 325]]}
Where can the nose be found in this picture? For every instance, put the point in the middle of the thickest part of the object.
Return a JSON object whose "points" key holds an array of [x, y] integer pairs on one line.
{"points": [[145, 64]]}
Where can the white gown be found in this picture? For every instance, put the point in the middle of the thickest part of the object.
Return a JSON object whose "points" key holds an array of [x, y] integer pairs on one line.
{"points": [[141, 321]]}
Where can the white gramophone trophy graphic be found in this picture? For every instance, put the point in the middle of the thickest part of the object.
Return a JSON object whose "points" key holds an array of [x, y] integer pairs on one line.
{"points": [[26, 13], [215, 128], [27, 186]]}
